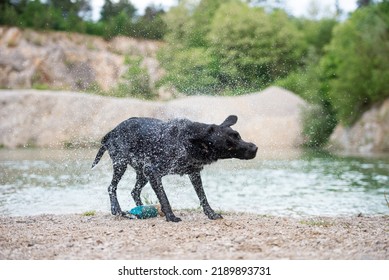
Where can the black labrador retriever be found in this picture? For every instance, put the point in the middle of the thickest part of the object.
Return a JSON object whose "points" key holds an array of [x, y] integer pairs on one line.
{"points": [[155, 148]]}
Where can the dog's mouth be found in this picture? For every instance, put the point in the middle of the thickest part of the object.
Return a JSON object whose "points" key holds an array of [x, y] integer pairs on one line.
{"points": [[250, 154]]}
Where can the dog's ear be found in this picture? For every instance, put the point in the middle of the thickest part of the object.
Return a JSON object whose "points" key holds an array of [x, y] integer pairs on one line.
{"points": [[229, 121], [210, 129]]}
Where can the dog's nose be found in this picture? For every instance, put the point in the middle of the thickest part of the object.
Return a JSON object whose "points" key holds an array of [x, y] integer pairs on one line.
{"points": [[251, 151]]}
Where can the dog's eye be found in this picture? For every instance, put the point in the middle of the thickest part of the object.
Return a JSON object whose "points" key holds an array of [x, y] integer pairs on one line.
{"points": [[230, 144]]}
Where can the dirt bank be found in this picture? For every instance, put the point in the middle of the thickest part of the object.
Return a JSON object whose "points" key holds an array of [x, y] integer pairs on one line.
{"points": [[237, 236], [270, 118]]}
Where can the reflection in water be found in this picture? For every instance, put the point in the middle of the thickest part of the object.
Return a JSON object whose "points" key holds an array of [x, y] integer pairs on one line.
{"points": [[292, 183]]}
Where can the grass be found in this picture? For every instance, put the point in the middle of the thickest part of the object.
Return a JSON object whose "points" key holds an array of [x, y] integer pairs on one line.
{"points": [[40, 86], [89, 213]]}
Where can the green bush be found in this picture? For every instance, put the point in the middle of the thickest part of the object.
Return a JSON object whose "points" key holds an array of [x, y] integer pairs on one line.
{"points": [[357, 62], [253, 47], [318, 124], [235, 48], [135, 82], [8, 15], [316, 33], [318, 118], [118, 18], [189, 70]]}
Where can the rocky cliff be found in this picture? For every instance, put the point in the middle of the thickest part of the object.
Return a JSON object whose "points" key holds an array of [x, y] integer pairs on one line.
{"points": [[70, 61], [370, 134], [270, 118]]}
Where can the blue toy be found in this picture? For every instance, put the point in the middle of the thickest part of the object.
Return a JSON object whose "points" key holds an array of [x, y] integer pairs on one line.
{"points": [[144, 211]]}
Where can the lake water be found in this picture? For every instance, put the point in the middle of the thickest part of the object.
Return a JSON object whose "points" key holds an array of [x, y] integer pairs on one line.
{"points": [[286, 183]]}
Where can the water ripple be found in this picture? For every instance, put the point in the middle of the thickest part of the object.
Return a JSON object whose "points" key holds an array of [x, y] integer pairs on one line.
{"points": [[299, 185]]}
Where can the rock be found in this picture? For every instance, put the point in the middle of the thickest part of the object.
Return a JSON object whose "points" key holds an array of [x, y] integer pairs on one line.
{"points": [[270, 118], [136, 47], [370, 134], [11, 37], [70, 61]]}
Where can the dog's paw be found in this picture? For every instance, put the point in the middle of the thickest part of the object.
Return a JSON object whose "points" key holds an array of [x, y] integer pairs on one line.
{"points": [[116, 211], [172, 218], [214, 216]]}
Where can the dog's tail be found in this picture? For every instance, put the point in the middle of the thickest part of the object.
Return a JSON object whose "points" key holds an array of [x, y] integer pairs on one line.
{"points": [[99, 155], [101, 151]]}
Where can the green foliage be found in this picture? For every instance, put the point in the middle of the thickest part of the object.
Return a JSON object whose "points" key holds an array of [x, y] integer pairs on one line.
{"points": [[8, 15], [318, 118], [253, 48], [188, 66], [318, 124], [111, 9], [117, 25], [234, 48], [189, 70], [118, 18], [201, 21], [135, 82], [357, 63], [95, 28], [317, 33], [89, 213], [150, 25], [178, 26]]}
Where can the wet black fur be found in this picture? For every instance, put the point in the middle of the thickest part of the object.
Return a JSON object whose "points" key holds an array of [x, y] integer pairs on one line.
{"points": [[155, 148]]}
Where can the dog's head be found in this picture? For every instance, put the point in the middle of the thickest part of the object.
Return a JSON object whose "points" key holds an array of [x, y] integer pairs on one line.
{"points": [[221, 141]]}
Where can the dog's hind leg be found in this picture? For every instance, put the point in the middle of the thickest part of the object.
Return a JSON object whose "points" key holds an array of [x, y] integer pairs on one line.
{"points": [[195, 178], [118, 171], [156, 183], [141, 181]]}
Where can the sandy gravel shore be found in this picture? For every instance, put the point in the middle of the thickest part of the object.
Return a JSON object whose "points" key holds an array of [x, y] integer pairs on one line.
{"points": [[237, 236]]}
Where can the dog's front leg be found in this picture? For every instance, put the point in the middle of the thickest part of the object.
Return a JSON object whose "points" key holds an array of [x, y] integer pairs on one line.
{"points": [[195, 178], [156, 183]]}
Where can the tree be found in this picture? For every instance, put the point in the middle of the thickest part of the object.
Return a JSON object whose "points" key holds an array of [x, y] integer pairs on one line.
{"points": [[111, 9], [231, 47], [8, 14], [316, 33], [357, 62], [41, 16], [189, 70], [150, 25], [253, 48], [78, 7], [118, 25], [202, 20], [118, 18], [362, 3]]}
